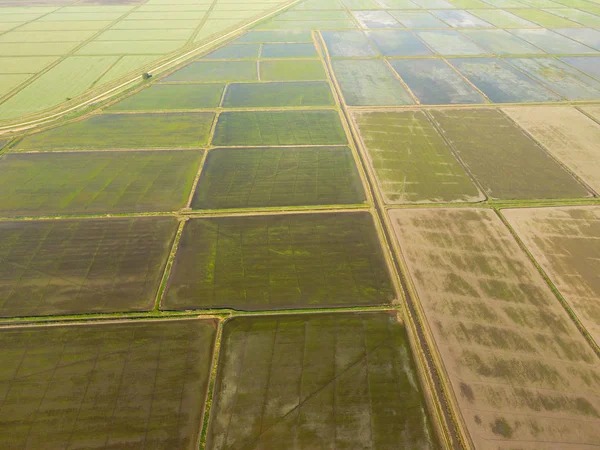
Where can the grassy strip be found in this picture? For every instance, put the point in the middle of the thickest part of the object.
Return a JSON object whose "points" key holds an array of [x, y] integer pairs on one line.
{"points": [[211, 386]]}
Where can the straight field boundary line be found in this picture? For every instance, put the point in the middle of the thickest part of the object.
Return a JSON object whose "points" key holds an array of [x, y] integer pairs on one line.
{"points": [[564, 303], [449, 429], [163, 67]]}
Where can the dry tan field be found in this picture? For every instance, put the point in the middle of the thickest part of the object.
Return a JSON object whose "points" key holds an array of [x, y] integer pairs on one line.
{"points": [[568, 134], [523, 375], [566, 243]]}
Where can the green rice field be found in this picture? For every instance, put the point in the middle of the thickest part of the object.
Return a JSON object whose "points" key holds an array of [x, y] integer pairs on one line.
{"points": [[125, 131], [279, 262], [95, 182], [348, 224], [259, 177], [73, 384], [315, 378]]}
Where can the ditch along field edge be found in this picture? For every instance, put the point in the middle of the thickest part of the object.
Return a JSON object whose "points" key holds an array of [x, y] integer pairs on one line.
{"points": [[436, 388], [91, 99]]}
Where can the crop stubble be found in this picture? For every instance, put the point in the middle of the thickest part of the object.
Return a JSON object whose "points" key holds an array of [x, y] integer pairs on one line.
{"points": [[523, 374], [566, 243]]}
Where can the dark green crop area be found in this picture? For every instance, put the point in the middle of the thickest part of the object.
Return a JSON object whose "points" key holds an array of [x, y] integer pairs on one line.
{"points": [[255, 177], [130, 131], [308, 93], [503, 158], [318, 381], [278, 262], [411, 160], [96, 182], [161, 97], [215, 71], [257, 128], [82, 266], [118, 385]]}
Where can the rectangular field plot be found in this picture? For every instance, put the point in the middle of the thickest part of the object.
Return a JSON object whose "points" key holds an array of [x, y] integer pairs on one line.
{"points": [[587, 64], [215, 71], [318, 381], [411, 160], [112, 385], [501, 42], [553, 42], [369, 82], [284, 261], [503, 159], [289, 50], [560, 77], [235, 51], [295, 70], [254, 177], [350, 43], [398, 43], [502, 83], [276, 36], [568, 134], [586, 36], [113, 131], [516, 361], [566, 243], [418, 19], [82, 266], [450, 42], [308, 93], [256, 128], [95, 182], [435, 83], [159, 97]]}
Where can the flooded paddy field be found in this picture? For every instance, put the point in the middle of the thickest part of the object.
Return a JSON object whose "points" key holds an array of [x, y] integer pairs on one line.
{"points": [[279, 262], [105, 385], [318, 380], [382, 213]]}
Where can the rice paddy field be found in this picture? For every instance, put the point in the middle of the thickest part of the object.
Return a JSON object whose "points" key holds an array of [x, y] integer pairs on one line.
{"points": [[358, 224]]}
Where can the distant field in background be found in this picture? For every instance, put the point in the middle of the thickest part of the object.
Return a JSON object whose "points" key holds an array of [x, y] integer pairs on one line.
{"points": [[52, 52], [278, 262], [80, 393]]}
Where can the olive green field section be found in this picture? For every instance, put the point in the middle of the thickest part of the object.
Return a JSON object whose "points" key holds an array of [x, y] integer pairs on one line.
{"points": [[273, 262], [163, 97], [294, 70], [256, 128], [522, 373], [508, 163], [214, 71], [411, 160], [318, 381], [64, 267], [96, 182], [124, 131], [572, 137], [114, 385], [566, 243], [255, 177], [257, 95]]}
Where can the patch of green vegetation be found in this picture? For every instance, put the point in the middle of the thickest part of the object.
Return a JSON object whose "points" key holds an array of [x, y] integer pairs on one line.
{"points": [[411, 160], [502, 428], [279, 262], [293, 70], [75, 384], [333, 371], [215, 71], [173, 96], [505, 161], [276, 94], [114, 131], [256, 177], [235, 51], [82, 266], [257, 128], [95, 182]]}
